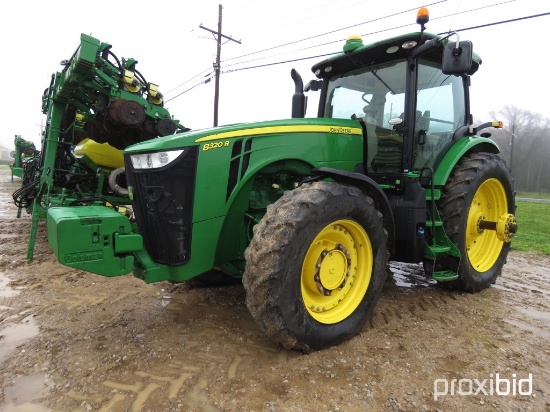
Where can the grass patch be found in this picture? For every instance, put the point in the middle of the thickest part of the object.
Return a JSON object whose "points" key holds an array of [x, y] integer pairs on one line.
{"points": [[533, 195], [533, 227]]}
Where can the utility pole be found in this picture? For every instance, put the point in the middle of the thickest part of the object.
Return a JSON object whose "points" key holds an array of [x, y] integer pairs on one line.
{"points": [[217, 36]]}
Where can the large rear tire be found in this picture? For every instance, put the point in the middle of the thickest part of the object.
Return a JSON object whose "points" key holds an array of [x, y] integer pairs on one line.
{"points": [[316, 266], [479, 188]]}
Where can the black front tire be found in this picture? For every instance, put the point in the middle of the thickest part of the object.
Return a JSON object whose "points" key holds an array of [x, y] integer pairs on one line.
{"points": [[280, 266]]}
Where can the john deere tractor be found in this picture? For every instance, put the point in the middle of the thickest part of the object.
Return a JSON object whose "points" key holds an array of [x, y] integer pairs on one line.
{"points": [[308, 211]]}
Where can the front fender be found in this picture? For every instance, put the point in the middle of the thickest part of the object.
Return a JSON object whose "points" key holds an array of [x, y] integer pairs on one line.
{"points": [[371, 189]]}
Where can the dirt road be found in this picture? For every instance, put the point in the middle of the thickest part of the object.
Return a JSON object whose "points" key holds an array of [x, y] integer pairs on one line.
{"points": [[74, 341]]}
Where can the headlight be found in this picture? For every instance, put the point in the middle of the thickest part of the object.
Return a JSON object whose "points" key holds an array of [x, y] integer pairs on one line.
{"points": [[154, 160]]}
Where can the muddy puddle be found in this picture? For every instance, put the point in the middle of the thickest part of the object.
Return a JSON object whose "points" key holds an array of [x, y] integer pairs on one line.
{"points": [[13, 335], [24, 392], [17, 328], [409, 276], [5, 290]]}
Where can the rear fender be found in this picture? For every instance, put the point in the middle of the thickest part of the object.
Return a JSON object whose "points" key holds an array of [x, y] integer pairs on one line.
{"points": [[471, 144]]}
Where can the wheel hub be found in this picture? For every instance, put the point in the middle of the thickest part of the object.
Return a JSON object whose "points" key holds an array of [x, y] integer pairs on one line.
{"points": [[336, 271], [505, 227], [333, 270]]}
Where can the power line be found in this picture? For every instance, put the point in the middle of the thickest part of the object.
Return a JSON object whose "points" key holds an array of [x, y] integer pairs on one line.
{"points": [[330, 54], [331, 42], [502, 22], [367, 34], [247, 61], [334, 31], [319, 45], [187, 81], [303, 15], [379, 31], [191, 88], [281, 62]]}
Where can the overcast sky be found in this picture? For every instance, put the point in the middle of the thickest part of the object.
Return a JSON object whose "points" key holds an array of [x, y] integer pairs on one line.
{"points": [[171, 49]]}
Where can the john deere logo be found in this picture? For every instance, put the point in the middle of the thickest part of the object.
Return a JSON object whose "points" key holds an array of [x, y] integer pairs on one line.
{"points": [[340, 130]]}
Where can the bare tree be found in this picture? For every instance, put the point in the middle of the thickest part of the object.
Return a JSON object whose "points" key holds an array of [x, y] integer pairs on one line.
{"points": [[525, 145]]}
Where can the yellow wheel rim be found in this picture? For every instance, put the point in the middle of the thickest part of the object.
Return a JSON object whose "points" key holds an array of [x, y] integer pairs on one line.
{"points": [[483, 246], [336, 271]]}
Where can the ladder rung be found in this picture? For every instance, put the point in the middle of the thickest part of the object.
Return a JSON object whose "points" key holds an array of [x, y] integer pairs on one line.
{"points": [[440, 249], [430, 224]]}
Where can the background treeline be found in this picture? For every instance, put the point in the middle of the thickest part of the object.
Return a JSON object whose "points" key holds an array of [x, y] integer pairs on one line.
{"points": [[525, 146]]}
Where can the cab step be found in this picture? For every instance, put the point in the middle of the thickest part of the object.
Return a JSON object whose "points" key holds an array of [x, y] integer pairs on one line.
{"points": [[445, 276], [439, 249]]}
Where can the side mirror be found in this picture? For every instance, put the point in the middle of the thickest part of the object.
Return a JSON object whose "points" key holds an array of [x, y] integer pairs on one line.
{"points": [[457, 57]]}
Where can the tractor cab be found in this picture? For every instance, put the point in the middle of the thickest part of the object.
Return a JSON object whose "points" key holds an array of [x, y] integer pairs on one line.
{"points": [[410, 94], [401, 136]]}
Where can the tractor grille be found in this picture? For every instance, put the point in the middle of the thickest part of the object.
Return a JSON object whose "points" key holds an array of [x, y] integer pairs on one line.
{"points": [[163, 206]]}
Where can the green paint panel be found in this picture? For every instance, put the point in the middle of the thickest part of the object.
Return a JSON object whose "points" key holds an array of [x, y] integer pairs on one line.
{"points": [[202, 257], [93, 238], [127, 243]]}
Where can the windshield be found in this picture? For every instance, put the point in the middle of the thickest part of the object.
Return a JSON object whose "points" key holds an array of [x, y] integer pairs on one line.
{"points": [[376, 94], [377, 91]]}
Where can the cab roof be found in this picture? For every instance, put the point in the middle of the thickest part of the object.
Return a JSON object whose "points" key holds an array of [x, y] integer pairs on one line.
{"points": [[380, 52]]}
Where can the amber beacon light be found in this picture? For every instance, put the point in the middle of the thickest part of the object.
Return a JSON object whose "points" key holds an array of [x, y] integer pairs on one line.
{"points": [[422, 16]]}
